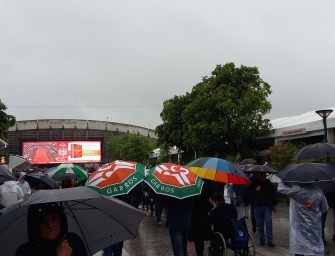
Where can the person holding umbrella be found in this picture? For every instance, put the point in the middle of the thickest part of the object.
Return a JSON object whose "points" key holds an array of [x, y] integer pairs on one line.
{"points": [[307, 204], [48, 235], [178, 184]]}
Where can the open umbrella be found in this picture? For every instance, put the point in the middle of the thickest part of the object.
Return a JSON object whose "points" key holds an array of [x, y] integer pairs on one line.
{"points": [[40, 181], [66, 176], [6, 175], [218, 169], [174, 180], [320, 174], [248, 161], [251, 168], [99, 221], [317, 150], [116, 178], [69, 168]]}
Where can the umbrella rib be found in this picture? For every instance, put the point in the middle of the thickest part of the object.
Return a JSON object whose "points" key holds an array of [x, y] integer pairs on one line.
{"points": [[10, 224], [81, 231], [90, 207]]}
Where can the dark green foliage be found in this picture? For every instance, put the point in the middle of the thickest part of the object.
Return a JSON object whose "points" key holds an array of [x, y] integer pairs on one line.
{"points": [[282, 154], [222, 115], [130, 147], [6, 121]]}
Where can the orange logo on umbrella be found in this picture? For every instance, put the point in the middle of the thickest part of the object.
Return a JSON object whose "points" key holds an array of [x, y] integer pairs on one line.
{"points": [[112, 173], [175, 175]]}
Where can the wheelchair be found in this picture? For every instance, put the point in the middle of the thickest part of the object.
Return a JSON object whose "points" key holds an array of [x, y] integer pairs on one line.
{"points": [[220, 243]]}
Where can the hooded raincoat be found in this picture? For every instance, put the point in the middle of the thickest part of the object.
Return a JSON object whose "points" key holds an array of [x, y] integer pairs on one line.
{"points": [[10, 193], [307, 204]]}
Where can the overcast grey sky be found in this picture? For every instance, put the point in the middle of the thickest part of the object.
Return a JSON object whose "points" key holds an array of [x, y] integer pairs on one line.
{"points": [[131, 55]]}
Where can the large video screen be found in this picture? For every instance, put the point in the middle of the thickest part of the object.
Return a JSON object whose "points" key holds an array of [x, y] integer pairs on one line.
{"points": [[52, 152]]}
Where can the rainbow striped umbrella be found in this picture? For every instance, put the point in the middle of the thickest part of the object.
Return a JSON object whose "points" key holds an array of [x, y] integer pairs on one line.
{"points": [[218, 169]]}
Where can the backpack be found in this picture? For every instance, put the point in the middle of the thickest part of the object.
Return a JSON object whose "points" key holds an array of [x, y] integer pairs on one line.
{"points": [[239, 237]]}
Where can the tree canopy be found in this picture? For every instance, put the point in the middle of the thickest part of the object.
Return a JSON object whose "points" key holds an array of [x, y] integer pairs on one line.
{"points": [[223, 114], [129, 147], [6, 121]]}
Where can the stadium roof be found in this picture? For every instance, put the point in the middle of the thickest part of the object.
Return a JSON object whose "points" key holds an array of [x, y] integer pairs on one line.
{"points": [[307, 117]]}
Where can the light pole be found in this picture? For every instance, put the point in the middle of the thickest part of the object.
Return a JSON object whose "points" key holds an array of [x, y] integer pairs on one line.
{"points": [[324, 113]]}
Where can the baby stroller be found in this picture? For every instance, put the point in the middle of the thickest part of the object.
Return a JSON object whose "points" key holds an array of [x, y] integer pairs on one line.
{"points": [[234, 236]]}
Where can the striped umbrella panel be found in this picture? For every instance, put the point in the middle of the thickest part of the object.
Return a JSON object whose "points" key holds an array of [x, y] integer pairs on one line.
{"points": [[217, 169]]}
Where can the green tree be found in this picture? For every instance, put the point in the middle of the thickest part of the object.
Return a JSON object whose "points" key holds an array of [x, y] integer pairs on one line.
{"points": [[282, 154], [222, 115], [130, 147], [6, 121]]}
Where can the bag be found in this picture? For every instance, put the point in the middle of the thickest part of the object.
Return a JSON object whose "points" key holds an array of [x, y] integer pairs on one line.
{"points": [[239, 236]]}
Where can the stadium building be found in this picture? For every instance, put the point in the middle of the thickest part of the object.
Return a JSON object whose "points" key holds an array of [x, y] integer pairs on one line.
{"points": [[53, 141]]}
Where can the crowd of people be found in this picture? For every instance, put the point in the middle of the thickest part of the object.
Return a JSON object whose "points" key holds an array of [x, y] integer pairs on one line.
{"points": [[194, 219]]}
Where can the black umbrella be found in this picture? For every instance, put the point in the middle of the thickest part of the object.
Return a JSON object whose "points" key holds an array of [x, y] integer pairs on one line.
{"points": [[317, 150], [248, 161], [99, 221], [66, 176], [251, 168], [320, 174], [40, 181], [6, 175]]}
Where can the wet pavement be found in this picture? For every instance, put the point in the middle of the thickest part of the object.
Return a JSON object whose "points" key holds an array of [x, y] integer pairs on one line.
{"points": [[154, 240]]}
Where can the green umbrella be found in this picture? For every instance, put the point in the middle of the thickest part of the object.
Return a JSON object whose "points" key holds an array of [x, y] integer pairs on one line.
{"points": [[174, 180], [116, 178], [69, 168]]}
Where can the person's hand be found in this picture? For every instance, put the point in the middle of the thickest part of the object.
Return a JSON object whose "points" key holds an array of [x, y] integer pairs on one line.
{"points": [[26, 194], [63, 249], [258, 188], [275, 209]]}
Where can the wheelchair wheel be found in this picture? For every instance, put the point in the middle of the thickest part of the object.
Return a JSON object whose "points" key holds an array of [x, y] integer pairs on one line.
{"points": [[217, 246], [249, 251], [251, 247]]}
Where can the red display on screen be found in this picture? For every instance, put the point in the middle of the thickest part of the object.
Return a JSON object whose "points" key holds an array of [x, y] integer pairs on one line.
{"points": [[49, 152], [76, 150]]}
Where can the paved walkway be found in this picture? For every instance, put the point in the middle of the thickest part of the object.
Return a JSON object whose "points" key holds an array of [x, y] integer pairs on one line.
{"points": [[154, 240]]}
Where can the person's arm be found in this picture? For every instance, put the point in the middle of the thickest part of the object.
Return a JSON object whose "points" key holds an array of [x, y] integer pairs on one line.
{"points": [[286, 190], [324, 205], [20, 194], [77, 245]]}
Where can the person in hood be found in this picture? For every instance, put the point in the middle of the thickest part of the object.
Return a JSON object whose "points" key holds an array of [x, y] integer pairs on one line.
{"points": [[24, 185], [48, 233], [10, 193], [307, 204]]}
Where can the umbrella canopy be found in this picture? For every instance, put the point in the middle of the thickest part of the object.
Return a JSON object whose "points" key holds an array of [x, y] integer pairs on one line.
{"points": [[49, 169], [66, 176], [40, 181], [69, 168], [317, 150], [6, 175], [218, 169], [116, 178], [174, 180], [99, 221], [248, 161], [320, 174], [251, 168]]}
